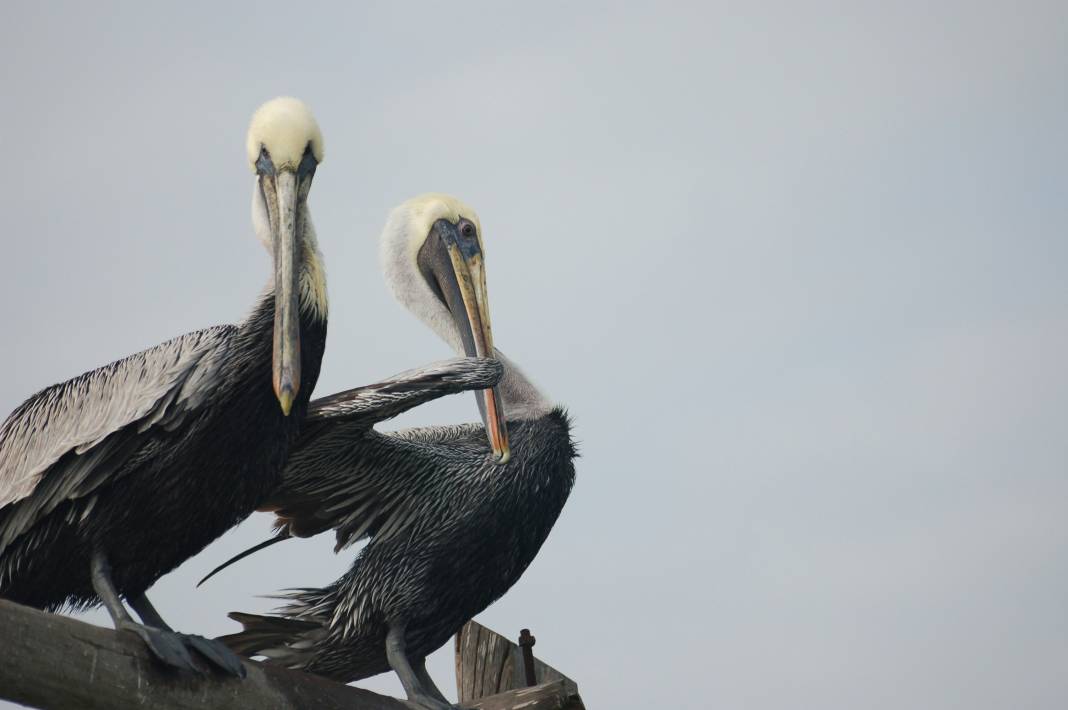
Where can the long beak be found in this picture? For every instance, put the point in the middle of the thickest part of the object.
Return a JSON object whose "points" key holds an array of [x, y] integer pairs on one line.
{"points": [[463, 283], [286, 359]]}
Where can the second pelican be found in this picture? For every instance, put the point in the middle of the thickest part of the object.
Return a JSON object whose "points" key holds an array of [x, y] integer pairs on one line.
{"points": [[453, 519]]}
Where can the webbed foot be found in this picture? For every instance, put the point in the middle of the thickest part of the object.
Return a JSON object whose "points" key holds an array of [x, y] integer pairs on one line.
{"points": [[172, 649], [217, 653]]}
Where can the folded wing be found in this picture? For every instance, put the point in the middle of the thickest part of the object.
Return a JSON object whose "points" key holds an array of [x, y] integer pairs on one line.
{"points": [[62, 442]]}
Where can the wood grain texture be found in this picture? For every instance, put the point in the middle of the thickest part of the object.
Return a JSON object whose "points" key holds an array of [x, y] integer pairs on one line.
{"points": [[57, 663], [488, 664], [49, 661], [555, 695]]}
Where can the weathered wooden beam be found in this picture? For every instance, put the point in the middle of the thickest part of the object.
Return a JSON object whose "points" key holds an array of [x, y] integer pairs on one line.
{"points": [[57, 663], [555, 695], [49, 661], [488, 664]]}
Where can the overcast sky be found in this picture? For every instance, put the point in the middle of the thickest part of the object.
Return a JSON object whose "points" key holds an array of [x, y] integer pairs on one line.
{"points": [[798, 272]]}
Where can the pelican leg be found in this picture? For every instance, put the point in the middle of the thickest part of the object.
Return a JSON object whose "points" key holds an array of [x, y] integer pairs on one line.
{"points": [[148, 613], [164, 644], [214, 651], [418, 694], [428, 683]]}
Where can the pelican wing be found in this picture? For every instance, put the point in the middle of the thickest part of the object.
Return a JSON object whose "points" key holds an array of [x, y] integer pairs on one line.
{"points": [[342, 476], [58, 442], [384, 400], [364, 483]]}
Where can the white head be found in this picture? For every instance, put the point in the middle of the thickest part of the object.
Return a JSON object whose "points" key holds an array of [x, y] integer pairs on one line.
{"points": [[283, 139], [407, 231], [432, 257], [285, 147], [287, 129]]}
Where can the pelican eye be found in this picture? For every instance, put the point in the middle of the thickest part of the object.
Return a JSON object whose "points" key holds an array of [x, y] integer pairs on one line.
{"points": [[264, 165], [467, 229]]}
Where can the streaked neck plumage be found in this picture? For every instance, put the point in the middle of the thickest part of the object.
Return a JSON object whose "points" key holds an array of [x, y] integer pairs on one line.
{"points": [[521, 397]]}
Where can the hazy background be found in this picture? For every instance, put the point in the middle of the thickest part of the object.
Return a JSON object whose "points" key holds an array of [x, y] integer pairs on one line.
{"points": [[798, 271]]}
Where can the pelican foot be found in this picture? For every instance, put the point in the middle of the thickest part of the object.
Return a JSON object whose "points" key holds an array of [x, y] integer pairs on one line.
{"points": [[172, 649], [217, 653], [165, 645]]}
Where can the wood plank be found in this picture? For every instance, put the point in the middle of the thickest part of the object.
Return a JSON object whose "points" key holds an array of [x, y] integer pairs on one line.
{"points": [[50, 661], [57, 663], [555, 695], [489, 664]]}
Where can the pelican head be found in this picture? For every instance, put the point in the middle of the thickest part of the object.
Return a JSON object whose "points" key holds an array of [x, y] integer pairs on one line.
{"points": [[284, 148], [432, 258]]}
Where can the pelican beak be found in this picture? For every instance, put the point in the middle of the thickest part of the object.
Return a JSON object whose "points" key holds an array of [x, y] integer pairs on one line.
{"points": [[453, 264], [283, 204]]}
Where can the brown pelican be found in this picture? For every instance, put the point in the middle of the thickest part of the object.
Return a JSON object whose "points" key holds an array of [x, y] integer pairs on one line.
{"points": [[452, 522], [112, 479]]}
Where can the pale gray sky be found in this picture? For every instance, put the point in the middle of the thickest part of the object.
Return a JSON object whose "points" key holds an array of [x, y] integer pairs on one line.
{"points": [[799, 273]]}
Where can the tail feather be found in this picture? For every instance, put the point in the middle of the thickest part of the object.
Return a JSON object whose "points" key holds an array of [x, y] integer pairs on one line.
{"points": [[281, 640]]}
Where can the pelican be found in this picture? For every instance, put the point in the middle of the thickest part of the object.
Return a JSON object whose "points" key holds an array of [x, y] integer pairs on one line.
{"points": [[113, 478], [453, 517]]}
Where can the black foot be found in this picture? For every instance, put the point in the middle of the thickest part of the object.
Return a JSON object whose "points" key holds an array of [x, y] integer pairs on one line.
{"points": [[220, 656], [172, 649]]}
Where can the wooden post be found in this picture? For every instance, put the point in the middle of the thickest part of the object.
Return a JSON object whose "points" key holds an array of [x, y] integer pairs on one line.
{"points": [[57, 663], [526, 646], [488, 664]]}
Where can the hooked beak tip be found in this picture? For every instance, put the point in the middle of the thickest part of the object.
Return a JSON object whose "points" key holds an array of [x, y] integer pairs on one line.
{"points": [[285, 398], [502, 456]]}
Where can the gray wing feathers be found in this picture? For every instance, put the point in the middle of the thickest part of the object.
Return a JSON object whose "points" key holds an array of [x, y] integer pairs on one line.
{"points": [[333, 480], [375, 486], [386, 399], [152, 387]]}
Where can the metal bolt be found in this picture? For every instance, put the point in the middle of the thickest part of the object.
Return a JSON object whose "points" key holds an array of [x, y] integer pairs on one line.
{"points": [[526, 645]]}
